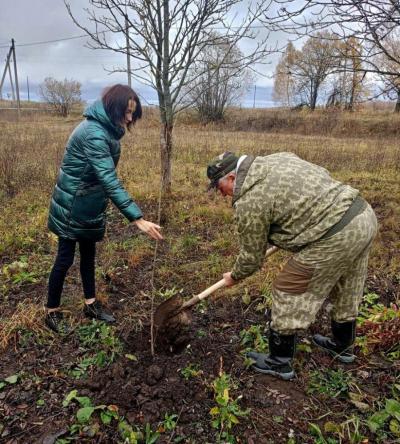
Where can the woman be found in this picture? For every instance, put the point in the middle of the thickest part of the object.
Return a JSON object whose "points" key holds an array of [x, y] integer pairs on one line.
{"points": [[86, 181]]}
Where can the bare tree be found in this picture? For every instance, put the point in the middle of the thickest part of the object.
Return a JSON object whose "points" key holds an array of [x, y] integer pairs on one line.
{"points": [[308, 68], [369, 22], [61, 95], [165, 38], [218, 79], [348, 83], [390, 84], [285, 87]]}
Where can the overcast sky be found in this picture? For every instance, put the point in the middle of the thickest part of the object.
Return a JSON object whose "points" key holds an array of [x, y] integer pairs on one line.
{"points": [[33, 21]]}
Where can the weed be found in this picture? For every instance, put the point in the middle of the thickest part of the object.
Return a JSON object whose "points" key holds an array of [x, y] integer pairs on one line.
{"points": [[169, 292], [169, 422], [388, 416], [97, 335], [84, 414], [266, 299], [201, 333], [227, 411], [10, 380], [373, 311], [319, 437], [253, 338], [191, 371], [379, 327], [27, 317], [186, 243], [330, 382]]}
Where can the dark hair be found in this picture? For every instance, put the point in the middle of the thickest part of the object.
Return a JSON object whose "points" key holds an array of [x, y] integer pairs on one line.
{"points": [[115, 101]]}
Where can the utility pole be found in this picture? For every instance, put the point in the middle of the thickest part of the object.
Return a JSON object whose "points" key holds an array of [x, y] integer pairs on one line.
{"points": [[27, 85], [11, 82], [128, 54], [16, 77], [254, 99], [5, 72]]}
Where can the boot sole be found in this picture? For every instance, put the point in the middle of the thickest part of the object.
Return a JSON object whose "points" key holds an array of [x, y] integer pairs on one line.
{"points": [[284, 376], [89, 316], [341, 358]]}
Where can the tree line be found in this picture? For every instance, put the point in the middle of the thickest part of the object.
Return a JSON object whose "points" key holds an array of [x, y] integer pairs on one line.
{"points": [[191, 52]]}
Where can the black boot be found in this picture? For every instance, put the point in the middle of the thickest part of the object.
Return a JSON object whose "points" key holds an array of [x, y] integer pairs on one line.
{"points": [[55, 321], [96, 311], [341, 345], [279, 360]]}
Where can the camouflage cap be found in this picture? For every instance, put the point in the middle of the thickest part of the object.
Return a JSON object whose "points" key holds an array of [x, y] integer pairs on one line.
{"points": [[220, 166]]}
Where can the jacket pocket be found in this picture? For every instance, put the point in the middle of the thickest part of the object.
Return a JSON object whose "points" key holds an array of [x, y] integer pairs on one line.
{"points": [[294, 278], [89, 206]]}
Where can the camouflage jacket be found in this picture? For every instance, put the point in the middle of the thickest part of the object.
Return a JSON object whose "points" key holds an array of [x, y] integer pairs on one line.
{"points": [[285, 201]]}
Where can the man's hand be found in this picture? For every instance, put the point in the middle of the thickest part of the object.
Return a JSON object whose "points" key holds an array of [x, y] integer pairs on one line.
{"points": [[229, 281], [152, 230]]}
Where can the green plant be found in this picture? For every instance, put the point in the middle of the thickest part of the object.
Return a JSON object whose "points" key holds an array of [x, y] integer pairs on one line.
{"points": [[253, 338], [84, 415], [169, 423], [17, 273], [390, 415], [96, 335], [127, 433], [131, 436], [227, 411], [191, 371], [319, 437], [330, 382], [266, 299], [10, 380], [186, 243], [150, 436], [348, 431], [86, 364], [99, 334], [169, 292], [373, 311]]}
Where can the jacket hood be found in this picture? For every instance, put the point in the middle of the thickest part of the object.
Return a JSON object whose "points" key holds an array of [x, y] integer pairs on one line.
{"points": [[97, 112], [241, 175]]}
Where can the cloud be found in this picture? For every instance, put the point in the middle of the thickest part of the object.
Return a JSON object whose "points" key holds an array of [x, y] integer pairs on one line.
{"points": [[29, 21]]}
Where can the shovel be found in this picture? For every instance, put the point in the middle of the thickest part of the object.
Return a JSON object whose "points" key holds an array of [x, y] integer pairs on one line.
{"points": [[169, 311]]}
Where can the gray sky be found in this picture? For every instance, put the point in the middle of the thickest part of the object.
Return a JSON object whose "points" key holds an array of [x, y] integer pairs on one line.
{"points": [[32, 21]]}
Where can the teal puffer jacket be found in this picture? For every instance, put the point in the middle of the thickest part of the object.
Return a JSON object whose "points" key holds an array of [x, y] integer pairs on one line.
{"points": [[87, 180]]}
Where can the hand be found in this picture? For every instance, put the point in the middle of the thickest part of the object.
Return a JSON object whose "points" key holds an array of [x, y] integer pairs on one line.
{"points": [[229, 281], [152, 230]]}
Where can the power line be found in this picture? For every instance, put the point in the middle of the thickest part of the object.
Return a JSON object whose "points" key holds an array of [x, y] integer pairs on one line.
{"points": [[45, 42], [49, 41]]}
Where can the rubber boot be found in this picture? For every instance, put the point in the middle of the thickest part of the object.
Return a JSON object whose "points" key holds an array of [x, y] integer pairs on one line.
{"points": [[340, 346], [55, 321], [96, 311], [279, 360]]}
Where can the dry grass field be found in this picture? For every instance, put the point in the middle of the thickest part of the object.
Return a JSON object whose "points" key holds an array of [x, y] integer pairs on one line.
{"points": [[117, 391]]}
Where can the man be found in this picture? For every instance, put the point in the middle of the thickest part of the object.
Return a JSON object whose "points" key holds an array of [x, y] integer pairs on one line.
{"points": [[285, 201]]}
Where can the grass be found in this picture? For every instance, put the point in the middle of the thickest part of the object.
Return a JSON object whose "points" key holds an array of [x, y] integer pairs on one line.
{"points": [[30, 154], [358, 148]]}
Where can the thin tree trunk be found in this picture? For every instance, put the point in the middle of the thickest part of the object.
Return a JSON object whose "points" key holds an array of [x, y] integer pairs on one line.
{"points": [[166, 156], [397, 107], [314, 95]]}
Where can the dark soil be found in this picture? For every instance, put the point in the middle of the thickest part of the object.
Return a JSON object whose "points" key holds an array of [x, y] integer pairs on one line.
{"points": [[146, 389]]}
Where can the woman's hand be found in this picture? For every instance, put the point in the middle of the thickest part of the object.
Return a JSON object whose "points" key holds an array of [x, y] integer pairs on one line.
{"points": [[229, 281], [152, 230]]}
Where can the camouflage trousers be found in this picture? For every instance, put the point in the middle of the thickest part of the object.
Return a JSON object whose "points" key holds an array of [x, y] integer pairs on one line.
{"points": [[334, 268]]}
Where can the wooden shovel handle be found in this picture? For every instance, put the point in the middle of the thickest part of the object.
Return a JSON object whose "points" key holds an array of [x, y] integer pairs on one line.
{"points": [[210, 290]]}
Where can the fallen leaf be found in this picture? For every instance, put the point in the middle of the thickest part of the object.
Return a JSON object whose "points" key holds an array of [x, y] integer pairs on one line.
{"points": [[51, 439]]}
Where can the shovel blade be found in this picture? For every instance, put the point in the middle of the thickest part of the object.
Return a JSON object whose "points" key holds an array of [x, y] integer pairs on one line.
{"points": [[166, 310]]}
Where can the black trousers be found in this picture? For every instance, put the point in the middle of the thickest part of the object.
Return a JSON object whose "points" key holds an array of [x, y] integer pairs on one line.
{"points": [[64, 260]]}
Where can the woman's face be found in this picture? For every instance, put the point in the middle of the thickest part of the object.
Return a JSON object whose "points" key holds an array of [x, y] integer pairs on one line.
{"points": [[129, 111]]}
